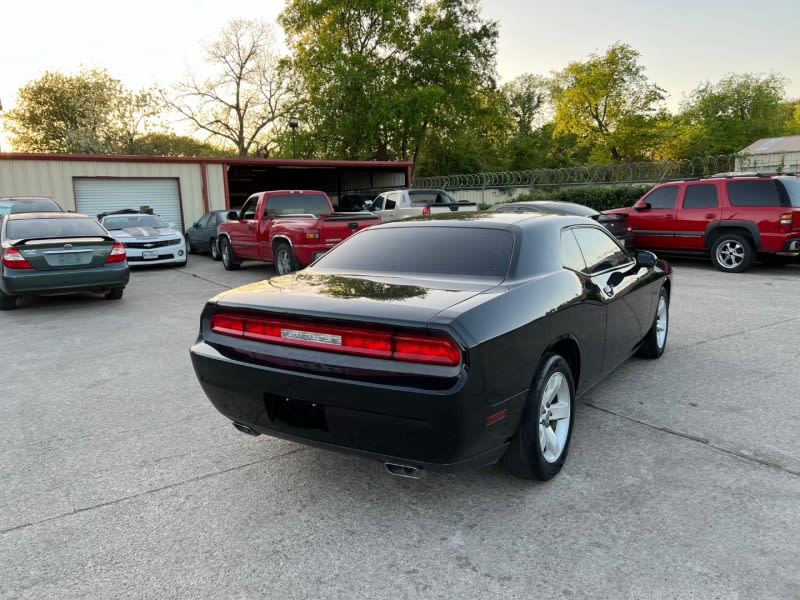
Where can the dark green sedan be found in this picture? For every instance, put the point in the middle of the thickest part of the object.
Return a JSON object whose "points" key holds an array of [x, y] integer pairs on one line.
{"points": [[49, 252]]}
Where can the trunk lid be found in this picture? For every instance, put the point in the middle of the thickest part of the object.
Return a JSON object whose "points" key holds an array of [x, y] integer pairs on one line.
{"points": [[65, 253]]}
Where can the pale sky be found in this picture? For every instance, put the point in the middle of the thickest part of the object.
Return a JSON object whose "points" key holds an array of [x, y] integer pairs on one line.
{"points": [[681, 43]]}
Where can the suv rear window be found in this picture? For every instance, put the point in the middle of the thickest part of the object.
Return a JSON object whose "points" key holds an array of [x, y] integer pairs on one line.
{"points": [[19, 229], [424, 250], [791, 187], [753, 192]]}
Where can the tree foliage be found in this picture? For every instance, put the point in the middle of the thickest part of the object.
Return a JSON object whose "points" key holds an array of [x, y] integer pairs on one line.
{"points": [[248, 98], [379, 77], [604, 100], [90, 112], [725, 117]]}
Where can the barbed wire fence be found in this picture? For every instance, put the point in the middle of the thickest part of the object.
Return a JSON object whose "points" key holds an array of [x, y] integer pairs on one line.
{"points": [[508, 183]]}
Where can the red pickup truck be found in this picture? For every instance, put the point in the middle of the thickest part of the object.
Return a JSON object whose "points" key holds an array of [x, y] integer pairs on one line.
{"points": [[288, 228]]}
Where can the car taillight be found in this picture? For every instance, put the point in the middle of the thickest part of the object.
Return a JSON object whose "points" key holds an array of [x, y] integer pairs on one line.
{"points": [[13, 259], [426, 210], [378, 343], [117, 253]]}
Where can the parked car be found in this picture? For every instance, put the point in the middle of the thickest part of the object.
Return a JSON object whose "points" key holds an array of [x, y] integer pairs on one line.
{"points": [[147, 239], [202, 235], [56, 252], [620, 231], [733, 218], [402, 204], [440, 343], [16, 204]]}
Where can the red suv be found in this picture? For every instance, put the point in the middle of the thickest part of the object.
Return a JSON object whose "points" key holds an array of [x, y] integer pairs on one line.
{"points": [[732, 217]]}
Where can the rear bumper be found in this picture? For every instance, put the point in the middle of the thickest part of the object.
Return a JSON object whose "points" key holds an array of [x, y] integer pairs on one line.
{"points": [[436, 429], [29, 281]]}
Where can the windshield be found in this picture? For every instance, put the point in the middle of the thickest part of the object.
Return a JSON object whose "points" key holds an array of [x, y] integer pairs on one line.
{"points": [[424, 250], [792, 185], [19, 229], [126, 221], [32, 205]]}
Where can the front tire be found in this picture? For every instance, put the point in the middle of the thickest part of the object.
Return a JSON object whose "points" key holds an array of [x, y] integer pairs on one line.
{"points": [[214, 250], [732, 253], [285, 261], [229, 260], [656, 339], [189, 247], [114, 294], [539, 447]]}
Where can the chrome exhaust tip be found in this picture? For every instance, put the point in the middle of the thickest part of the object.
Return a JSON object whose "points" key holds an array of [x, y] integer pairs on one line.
{"points": [[407, 471], [246, 429]]}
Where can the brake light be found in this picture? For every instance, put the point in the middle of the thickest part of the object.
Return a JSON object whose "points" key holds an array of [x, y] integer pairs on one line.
{"points": [[117, 253], [426, 210], [377, 343], [13, 259]]}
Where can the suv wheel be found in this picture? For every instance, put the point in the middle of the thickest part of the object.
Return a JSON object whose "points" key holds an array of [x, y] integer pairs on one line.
{"points": [[732, 253]]}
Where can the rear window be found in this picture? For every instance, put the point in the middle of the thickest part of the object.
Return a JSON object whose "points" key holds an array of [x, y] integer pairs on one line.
{"points": [[754, 192], [293, 204], [791, 187], [18, 206], [20, 229], [444, 251]]}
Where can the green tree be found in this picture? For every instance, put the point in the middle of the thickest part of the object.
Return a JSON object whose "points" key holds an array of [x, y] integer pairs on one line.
{"points": [[170, 144], [725, 117], [248, 99], [90, 112], [380, 77], [604, 101]]}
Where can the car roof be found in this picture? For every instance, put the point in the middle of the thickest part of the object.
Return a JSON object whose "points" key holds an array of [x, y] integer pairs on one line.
{"points": [[549, 205], [46, 215], [26, 198], [495, 220]]}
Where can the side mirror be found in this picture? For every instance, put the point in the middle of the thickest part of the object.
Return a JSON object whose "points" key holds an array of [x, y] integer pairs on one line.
{"points": [[615, 279], [646, 259], [195, 224], [233, 215], [641, 205]]}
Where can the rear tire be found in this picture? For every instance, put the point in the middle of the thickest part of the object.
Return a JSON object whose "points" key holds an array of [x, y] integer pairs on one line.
{"points": [[539, 447], [214, 249], [285, 261], [114, 294], [732, 252], [656, 339], [229, 260], [7, 301]]}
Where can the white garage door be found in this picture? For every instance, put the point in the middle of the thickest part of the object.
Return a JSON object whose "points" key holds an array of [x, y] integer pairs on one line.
{"points": [[94, 196]]}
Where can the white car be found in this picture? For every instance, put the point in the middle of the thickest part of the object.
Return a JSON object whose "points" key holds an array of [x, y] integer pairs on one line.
{"points": [[147, 239]]}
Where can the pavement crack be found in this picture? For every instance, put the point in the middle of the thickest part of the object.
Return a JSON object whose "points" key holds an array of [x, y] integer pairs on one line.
{"points": [[700, 440], [178, 484], [744, 332], [207, 280]]}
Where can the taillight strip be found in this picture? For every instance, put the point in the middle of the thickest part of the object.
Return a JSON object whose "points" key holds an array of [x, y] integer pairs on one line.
{"points": [[363, 341]]}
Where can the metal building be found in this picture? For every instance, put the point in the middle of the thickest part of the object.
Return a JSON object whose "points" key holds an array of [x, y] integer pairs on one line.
{"points": [[779, 154], [180, 190]]}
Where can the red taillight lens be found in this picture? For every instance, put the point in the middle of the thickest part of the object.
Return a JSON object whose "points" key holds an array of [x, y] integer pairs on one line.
{"points": [[363, 341], [426, 210], [13, 259], [117, 253]]}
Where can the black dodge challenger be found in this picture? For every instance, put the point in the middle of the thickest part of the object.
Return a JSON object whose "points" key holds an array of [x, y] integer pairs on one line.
{"points": [[443, 343]]}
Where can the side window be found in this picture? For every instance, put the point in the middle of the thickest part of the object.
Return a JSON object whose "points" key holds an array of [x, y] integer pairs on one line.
{"points": [[753, 192], [391, 200], [700, 195], [377, 204], [571, 256], [663, 197], [599, 250], [249, 210]]}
